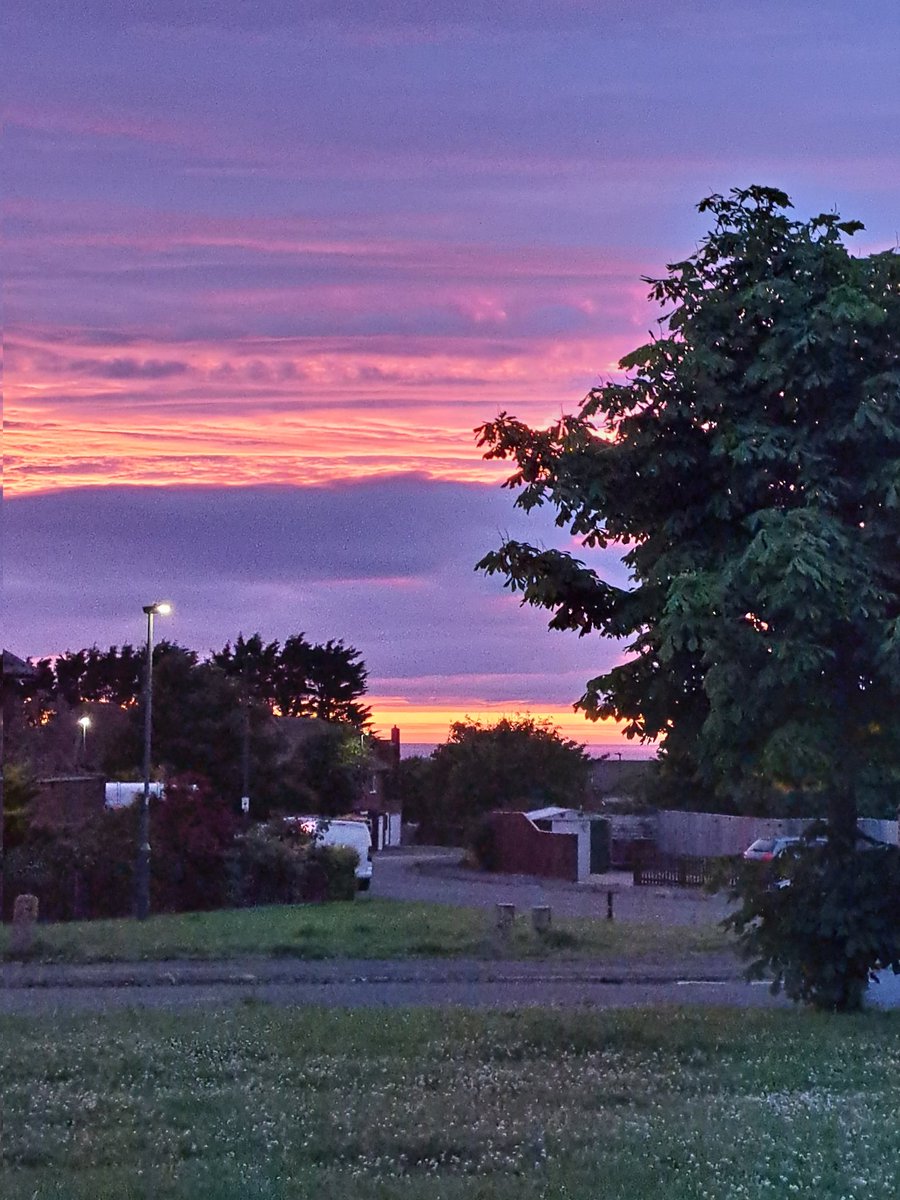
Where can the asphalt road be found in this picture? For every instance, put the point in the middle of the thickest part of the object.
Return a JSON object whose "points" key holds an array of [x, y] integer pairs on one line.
{"points": [[365, 984]]}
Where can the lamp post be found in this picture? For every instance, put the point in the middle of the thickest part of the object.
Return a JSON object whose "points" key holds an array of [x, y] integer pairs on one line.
{"points": [[142, 873]]}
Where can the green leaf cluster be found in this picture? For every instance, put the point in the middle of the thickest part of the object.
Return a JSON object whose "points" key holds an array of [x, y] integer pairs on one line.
{"points": [[749, 467]]}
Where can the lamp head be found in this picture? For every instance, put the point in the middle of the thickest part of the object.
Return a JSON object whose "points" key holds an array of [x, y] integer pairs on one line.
{"points": [[161, 608], [84, 722]]}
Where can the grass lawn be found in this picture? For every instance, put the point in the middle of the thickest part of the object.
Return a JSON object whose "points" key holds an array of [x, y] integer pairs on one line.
{"points": [[255, 1102], [364, 929]]}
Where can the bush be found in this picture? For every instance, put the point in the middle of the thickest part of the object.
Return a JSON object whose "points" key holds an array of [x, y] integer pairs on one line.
{"points": [[192, 832], [338, 865], [279, 864], [83, 870], [825, 926], [84, 867], [264, 868]]}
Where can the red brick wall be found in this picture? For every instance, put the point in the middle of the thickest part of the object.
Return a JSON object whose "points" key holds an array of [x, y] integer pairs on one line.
{"points": [[523, 849]]}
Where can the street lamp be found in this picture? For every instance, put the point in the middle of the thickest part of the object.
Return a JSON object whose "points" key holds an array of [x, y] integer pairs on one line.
{"points": [[84, 724], [142, 875]]}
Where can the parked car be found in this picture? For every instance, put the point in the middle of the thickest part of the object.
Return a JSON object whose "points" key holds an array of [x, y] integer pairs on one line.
{"points": [[765, 849]]}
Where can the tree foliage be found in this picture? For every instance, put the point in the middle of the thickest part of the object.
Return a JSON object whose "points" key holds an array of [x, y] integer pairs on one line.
{"points": [[300, 678], [825, 926], [325, 772], [297, 679], [748, 466], [518, 762], [111, 676], [210, 718]]}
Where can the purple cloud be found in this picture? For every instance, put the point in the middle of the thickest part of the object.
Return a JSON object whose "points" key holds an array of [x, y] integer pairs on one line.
{"points": [[386, 565]]}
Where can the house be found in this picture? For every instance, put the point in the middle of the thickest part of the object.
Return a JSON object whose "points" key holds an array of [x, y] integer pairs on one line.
{"points": [[380, 803], [377, 798], [16, 673]]}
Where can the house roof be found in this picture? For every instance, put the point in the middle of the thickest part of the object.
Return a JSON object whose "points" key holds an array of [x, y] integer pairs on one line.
{"points": [[15, 667], [551, 813]]}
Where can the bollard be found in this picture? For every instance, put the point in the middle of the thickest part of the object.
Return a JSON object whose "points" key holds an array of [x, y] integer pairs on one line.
{"points": [[505, 916], [25, 915], [540, 918]]}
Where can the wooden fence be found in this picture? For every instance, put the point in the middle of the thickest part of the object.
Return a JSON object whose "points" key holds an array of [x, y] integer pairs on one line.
{"points": [[662, 870]]}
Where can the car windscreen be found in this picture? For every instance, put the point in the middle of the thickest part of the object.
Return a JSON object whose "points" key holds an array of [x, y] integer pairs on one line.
{"points": [[763, 846]]}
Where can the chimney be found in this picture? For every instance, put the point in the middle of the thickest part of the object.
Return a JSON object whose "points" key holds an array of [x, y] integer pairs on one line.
{"points": [[395, 745]]}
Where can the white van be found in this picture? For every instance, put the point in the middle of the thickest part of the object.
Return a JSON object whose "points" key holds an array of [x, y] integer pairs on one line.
{"points": [[356, 835]]}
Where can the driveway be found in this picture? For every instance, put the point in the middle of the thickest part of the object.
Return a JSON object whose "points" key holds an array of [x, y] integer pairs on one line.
{"points": [[433, 874]]}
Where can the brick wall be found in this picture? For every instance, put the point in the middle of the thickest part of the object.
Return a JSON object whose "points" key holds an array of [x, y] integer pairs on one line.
{"points": [[523, 849]]}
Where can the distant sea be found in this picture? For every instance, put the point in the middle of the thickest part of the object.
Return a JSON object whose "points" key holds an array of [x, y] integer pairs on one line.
{"points": [[626, 753], [412, 749]]}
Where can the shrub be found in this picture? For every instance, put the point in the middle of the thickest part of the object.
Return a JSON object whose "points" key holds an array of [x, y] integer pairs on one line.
{"points": [[825, 926], [264, 868], [192, 832], [80, 870], [338, 866], [279, 864]]}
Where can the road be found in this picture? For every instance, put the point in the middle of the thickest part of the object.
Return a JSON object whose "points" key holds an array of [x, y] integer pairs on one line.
{"points": [[468, 983]]}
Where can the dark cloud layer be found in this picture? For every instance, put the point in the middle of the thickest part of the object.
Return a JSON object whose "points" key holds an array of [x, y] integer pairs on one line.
{"points": [[386, 565]]}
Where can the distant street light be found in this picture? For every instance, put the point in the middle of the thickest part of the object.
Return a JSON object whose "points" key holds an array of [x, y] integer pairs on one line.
{"points": [[142, 874], [84, 724]]}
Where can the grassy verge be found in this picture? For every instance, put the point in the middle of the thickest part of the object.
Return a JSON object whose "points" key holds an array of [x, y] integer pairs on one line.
{"points": [[370, 929], [264, 1104]]}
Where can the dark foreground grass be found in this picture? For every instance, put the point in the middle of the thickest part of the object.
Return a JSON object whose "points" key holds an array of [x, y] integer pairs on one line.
{"points": [[266, 1104], [363, 929]]}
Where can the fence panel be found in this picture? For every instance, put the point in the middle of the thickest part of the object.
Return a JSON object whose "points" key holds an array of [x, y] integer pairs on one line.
{"points": [[663, 870]]}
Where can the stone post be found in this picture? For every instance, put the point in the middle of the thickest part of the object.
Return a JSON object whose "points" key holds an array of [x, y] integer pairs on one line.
{"points": [[540, 918], [25, 915]]}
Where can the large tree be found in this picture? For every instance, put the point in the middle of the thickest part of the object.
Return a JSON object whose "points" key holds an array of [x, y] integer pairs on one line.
{"points": [[300, 678], [748, 466], [517, 762]]}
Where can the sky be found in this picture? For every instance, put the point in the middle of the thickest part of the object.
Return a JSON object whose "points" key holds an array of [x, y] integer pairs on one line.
{"points": [[269, 263]]}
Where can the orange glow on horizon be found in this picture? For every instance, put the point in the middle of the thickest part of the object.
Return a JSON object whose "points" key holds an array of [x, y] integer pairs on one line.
{"points": [[431, 722]]}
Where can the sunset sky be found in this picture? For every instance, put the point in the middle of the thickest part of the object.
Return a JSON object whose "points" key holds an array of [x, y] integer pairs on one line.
{"points": [[269, 262]]}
